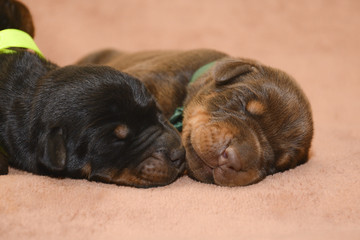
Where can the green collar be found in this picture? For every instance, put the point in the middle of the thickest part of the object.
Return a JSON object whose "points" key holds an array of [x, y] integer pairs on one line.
{"points": [[201, 71], [14, 38], [177, 118]]}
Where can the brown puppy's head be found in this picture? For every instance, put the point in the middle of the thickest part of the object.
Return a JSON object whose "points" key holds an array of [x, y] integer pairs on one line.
{"points": [[14, 14], [243, 121], [95, 122]]}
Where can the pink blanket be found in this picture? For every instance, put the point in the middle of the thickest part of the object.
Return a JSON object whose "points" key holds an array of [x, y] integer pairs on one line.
{"points": [[316, 41]]}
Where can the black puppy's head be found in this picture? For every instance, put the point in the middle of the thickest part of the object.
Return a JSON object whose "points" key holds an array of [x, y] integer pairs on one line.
{"points": [[101, 124], [14, 14], [243, 121]]}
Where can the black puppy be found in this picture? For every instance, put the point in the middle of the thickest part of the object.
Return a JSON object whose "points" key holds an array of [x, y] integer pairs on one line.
{"points": [[83, 122]]}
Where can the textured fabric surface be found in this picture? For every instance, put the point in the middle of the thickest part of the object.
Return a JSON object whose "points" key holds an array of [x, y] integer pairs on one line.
{"points": [[316, 41]]}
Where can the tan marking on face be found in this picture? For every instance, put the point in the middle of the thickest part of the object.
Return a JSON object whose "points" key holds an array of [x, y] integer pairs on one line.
{"points": [[121, 131], [104, 175], [283, 162], [209, 96], [197, 116], [209, 141], [255, 107], [86, 170], [126, 177], [194, 117]]}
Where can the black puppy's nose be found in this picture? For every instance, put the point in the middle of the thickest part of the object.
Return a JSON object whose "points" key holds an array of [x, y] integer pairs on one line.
{"points": [[177, 156]]}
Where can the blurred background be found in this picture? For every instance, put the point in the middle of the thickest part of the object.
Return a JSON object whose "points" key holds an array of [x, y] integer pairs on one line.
{"points": [[316, 41]]}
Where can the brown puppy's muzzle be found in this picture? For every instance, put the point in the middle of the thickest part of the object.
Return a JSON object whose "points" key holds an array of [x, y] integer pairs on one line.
{"points": [[236, 165], [220, 153]]}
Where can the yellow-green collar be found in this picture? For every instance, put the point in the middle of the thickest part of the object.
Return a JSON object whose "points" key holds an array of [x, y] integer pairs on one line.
{"points": [[14, 38]]}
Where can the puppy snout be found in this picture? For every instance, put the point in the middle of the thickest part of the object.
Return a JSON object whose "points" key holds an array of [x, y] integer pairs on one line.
{"points": [[231, 158], [177, 156], [208, 142], [238, 165]]}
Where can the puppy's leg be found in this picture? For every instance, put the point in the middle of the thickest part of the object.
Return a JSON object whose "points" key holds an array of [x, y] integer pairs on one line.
{"points": [[4, 165], [52, 153]]}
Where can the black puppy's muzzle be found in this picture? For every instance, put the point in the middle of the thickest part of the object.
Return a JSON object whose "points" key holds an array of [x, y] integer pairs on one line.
{"points": [[162, 144], [177, 157]]}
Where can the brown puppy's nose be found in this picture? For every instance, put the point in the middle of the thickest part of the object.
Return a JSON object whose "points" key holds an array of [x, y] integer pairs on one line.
{"points": [[239, 156], [231, 158], [177, 156]]}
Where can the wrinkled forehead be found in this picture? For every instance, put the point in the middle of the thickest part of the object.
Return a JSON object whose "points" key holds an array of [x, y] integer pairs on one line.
{"points": [[213, 96]]}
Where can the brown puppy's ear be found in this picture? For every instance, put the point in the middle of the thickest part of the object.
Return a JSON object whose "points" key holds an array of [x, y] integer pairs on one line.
{"points": [[228, 69], [14, 14], [54, 151]]}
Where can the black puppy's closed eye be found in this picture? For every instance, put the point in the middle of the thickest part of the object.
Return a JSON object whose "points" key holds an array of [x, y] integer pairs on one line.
{"points": [[54, 152]]}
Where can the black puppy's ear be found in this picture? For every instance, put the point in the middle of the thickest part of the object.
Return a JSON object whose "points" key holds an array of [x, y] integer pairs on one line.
{"points": [[54, 152], [230, 68]]}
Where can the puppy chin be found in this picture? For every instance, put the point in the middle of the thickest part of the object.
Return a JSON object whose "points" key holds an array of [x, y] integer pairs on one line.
{"points": [[156, 170], [225, 176], [236, 165], [151, 172]]}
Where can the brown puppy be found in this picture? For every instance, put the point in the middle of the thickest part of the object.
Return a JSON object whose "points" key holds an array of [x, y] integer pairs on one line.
{"points": [[242, 120]]}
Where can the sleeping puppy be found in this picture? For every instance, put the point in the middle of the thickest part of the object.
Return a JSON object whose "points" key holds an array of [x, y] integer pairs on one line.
{"points": [[242, 120], [83, 122]]}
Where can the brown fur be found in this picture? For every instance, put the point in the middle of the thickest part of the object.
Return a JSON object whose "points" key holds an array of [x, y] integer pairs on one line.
{"points": [[166, 74], [14, 14], [242, 121]]}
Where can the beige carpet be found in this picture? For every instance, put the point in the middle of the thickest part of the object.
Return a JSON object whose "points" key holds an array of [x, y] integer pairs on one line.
{"points": [[318, 42]]}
